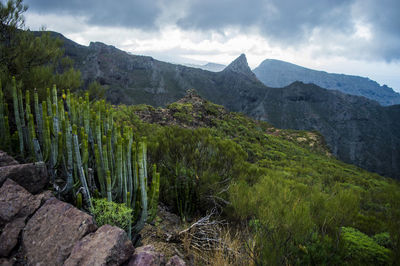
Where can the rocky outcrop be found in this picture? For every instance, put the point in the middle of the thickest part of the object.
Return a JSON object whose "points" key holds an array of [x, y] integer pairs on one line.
{"points": [[32, 176], [51, 233], [111, 246], [147, 256], [9, 236]]}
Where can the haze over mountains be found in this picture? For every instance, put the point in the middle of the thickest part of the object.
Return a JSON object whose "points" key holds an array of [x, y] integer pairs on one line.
{"points": [[276, 73], [357, 130]]}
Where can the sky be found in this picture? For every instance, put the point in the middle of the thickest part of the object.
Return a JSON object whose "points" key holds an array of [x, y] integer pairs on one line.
{"points": [[356, 37]]}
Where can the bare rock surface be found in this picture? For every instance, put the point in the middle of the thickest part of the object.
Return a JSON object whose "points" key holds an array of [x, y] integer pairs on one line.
{"points": [[6, 159], [147, 256], [176, 261], [9, 236], [109, 245], [32, 176], [53, 230], [16, 202]]}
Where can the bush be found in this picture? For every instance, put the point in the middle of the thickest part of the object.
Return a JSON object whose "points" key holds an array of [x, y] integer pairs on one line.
{"points": [[361, 249], [117, 214]]}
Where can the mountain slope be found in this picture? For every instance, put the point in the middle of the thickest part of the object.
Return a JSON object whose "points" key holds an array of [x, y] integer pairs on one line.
{"points": [[356, 129], [276, 73]]}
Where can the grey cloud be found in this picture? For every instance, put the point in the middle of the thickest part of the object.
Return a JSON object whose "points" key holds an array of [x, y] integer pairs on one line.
{"points": [[122, 13], [281, 20], [292, 23], [288, 23]]}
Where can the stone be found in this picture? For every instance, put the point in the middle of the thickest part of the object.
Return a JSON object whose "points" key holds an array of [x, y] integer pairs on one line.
{"points": [[109, 245], [176, 261], [16, 202], [6, 262], [6, 159], [51, 233], [32, 176], [9, 236], [146, 256]]}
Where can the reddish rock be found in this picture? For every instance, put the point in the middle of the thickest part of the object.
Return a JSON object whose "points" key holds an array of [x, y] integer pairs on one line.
{"points": [[109, 245], [9, 236], [32, 176], [16, 202], [6, 159], [147, 256], [53, 230], [176, 261]]}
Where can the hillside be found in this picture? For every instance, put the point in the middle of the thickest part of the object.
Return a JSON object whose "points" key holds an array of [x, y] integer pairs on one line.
{"points": [[351, 135], [297, 194], [277, 74]]}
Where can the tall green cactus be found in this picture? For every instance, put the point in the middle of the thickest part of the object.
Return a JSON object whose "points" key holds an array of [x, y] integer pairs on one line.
{"points": [[17, 116], [74, 136]]}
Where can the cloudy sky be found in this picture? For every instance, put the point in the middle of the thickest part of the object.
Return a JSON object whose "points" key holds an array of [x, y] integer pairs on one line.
{"points": [[359, 37]]}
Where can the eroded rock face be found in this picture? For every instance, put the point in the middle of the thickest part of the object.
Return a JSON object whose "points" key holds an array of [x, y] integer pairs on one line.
{"points": [[16, 202], [53, 230], [6, 159], [109, 245], [32, 176], [147, 256]]}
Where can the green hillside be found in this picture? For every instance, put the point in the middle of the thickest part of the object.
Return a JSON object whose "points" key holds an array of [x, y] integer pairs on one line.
{"points": [[297, 199]]}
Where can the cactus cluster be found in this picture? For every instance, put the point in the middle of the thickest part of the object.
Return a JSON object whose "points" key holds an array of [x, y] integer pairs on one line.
{"points": [[85, 151]]}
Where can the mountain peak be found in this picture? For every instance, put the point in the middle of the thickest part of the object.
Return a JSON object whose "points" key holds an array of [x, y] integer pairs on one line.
{"points": [[240, 65]]}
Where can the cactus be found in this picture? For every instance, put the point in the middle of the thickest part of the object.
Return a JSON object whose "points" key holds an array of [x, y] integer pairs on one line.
{"points": [[86, 193], [143, 186], [74, 136], [16, 102]]}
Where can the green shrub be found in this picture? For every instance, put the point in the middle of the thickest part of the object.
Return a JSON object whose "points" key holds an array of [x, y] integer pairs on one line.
{"points": [[117, 214], [361, 249]]}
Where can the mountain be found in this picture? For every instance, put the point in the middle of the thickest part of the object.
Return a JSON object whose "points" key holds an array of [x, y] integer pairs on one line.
{"points": [[276, 73], [356, 129], [213, 67]]}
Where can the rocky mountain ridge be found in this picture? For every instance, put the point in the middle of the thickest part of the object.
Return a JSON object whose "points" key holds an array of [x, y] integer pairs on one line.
{"points": [[357, 130], [277, 74]]}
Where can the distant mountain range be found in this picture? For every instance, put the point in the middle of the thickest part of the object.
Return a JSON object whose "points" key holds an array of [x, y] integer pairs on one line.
{"points": [[213, 67], [277, 74], [357, 130]]}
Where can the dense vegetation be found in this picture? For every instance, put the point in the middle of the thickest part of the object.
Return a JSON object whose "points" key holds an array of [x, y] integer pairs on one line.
{"points": [[302, 205], [299, 204]]}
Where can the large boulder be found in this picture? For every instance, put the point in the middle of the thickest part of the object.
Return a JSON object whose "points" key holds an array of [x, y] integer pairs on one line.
{"points": [[53, 230], [147, 256], [6, 159], [32, 176], [16, 202], [109, 245]]}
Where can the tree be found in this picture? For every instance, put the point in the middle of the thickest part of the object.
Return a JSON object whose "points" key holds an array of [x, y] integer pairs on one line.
{"points": [[36, 59]]}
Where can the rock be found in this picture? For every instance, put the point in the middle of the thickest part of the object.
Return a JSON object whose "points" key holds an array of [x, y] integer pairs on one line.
{"points": [[53, 230], [176, 261], [109, 245], [6, 159], [16, 202], [6, 262], [32, 176], [146, 255], [9, 236]]}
